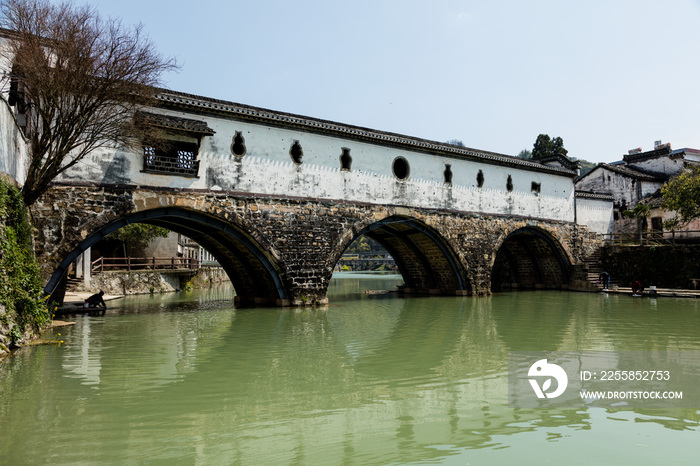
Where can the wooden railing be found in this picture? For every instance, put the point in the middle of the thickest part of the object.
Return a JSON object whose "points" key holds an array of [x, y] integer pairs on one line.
{"points": [[653, 237], [144, 263]]}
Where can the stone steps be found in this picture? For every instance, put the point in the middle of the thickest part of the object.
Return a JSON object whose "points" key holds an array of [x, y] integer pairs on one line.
{"points": [[594, 267], [72, 283]]}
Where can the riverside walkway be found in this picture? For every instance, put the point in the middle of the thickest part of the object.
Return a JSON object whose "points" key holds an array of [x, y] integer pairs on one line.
{"points": [[660, 292]]}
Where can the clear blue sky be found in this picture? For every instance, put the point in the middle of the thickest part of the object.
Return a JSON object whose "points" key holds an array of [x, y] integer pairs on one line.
{"points": [[605, 75]]}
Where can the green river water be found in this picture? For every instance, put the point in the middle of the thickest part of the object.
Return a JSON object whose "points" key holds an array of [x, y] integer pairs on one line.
{"points": [[368, 379]]}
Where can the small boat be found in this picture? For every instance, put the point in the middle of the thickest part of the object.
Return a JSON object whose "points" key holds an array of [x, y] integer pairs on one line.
{"points": [[78, 309]]}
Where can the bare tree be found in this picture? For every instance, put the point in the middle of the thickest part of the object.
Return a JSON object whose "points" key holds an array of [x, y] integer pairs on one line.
{"points": [[79, 79]]}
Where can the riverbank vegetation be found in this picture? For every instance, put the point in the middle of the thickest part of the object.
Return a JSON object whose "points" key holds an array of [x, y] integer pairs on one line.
{"points": [[23, 310], [682, 196]]}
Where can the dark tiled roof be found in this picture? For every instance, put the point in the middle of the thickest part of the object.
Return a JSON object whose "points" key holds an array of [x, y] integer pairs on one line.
{"points": [[194, 103], [591, 195], [176, 123], [662, 151], [634, 172], [681, 153], [654, 199], [562, 159]]}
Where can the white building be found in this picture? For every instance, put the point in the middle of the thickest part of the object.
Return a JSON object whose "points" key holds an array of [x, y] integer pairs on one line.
{"points": [[638, 178]]}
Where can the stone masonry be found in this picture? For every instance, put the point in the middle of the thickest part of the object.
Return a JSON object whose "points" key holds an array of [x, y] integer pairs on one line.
{"points": [[283, 250]]}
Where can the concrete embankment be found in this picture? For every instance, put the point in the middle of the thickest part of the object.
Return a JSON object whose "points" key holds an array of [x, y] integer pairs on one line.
{"points": [[659, 293]]}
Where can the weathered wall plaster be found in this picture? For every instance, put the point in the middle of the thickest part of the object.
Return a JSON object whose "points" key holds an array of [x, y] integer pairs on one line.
{"points": [[14, 153]]}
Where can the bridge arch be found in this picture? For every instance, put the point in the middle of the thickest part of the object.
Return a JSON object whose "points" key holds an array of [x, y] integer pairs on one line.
{"points": [[253, 270], [530, 257], [422, 254]]}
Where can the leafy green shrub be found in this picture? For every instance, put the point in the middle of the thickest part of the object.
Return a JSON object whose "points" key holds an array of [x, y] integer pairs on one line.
{"points": [[20, 283]]}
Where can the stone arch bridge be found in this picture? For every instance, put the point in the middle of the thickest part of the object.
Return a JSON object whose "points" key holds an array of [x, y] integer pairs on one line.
{"points": [[283, 251], [277, 198]]}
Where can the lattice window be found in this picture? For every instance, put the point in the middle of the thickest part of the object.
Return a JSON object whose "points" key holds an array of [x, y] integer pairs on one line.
{"points": [[171, 158]]}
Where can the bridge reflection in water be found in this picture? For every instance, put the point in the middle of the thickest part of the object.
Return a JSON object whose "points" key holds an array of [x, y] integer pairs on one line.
{"points": [[372, 378]]}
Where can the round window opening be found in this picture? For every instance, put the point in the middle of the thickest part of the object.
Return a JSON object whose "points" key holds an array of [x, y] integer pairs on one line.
{"points": [[401, 168]]}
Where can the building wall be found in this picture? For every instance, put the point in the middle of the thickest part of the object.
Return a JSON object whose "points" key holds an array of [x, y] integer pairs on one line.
{"points": [[13, 147], [6, 55], [596, 214], [691, 229], [626, 191], [662, 164], [14, 151], [268, 169], [692, 155], [648, 188]]}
